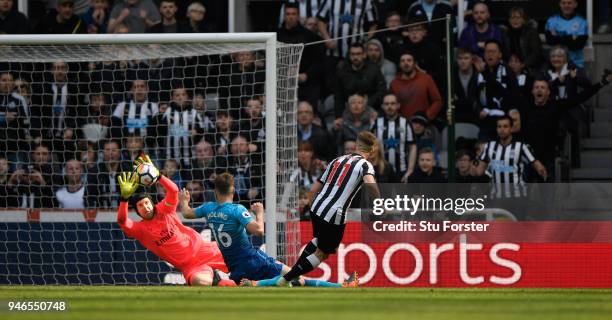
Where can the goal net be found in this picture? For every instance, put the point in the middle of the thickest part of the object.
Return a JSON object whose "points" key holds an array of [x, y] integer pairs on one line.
{"points": [[77, 110]]}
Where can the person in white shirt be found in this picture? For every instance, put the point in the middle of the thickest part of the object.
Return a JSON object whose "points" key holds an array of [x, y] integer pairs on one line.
{"points": [[72, 196]]}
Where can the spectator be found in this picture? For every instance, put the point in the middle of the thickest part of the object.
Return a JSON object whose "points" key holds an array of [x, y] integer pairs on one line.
{"points": [[359, 117], [311, 69], [134, 146], [135, 114], [564, 76], [542, 116], [427, 171], [135, 15], [498, 90], [524, 80], [426, 136], [392, 39], [198, 195], [11, 20], [466, 88], [158, 74], [175, 131], [245, 79], [224, 132], [62, 21], [172, 170], [506, 157], [72, 195], [311, 24], [8, 192], [426, 53], [196, 13], [345, 26], [463, 165], [395, 133], [376, 55], [476, 34], [204, 164], [306, 9], [253, 123], [568, 29], [99, 124], [309, 131], [357, 77], [109, 77], [309, 168], [523, 40], [57, 112], [23, 88], [415, 89], [102, 186], [199, 104], [35, 182], [169, 23], [349, 146], [97, 16], [303, 204], [432, 10], [383, 170], [14, 121], [246, 169]]}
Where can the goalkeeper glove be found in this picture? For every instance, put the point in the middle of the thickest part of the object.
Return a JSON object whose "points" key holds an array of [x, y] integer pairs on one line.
{"points": [[127, 185]]}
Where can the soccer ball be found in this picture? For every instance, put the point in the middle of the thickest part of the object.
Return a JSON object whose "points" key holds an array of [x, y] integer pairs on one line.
{"points": [[146, 174]]}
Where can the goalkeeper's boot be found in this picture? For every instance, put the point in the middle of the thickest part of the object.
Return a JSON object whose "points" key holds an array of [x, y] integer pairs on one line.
{"points": [[248, 283], [352, 281]]}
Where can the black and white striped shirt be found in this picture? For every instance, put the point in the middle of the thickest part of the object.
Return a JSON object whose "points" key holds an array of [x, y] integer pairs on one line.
{"points": [[308, 8], [396, 137], [341, 181], [347, 19], [135, 116], [507, 163]]}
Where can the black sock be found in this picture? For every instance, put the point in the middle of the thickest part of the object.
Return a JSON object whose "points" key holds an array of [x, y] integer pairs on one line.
{"points": [[310, 248], [302, 266]]}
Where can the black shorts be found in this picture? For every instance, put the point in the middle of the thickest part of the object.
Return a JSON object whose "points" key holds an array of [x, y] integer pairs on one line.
{"points": [[328, 235]]}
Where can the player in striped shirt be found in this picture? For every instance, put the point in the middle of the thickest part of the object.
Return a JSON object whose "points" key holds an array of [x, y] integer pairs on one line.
{"points": [[395, 133], [334, 190], [506, 157]]}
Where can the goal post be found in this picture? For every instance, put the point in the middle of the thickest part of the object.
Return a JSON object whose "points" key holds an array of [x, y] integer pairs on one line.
{"points": [[278, 147]]}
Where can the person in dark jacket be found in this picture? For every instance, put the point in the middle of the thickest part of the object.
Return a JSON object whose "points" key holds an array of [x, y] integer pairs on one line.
{"points": [[62, 20], [427, 171], [476, 34], [11, 20], [392, 39], [309, 131], [359, 76], [432, 10], [466, 87], [541, 117], [311, 72], [169, 23], [523, 40]]}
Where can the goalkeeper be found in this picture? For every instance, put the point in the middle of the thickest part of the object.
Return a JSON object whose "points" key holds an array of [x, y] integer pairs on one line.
{"points": [[163, 233], [229, 224]]}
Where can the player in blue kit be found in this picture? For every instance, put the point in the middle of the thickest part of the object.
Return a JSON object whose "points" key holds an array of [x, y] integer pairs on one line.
{"points": [[229, 224]]}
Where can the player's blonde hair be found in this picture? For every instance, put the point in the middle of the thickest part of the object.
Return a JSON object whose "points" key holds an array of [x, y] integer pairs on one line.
{"points": [[366, 141], [224, 183]]}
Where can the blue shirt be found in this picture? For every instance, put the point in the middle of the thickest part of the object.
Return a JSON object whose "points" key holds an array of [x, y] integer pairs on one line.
{"points": [[576, 26], [227, 222]]}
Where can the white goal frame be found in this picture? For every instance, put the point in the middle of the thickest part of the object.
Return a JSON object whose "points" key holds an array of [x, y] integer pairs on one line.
{"points": [[267, 38]]}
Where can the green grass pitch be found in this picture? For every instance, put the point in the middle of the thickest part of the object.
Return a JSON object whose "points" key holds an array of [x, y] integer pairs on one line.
{"points": [[183, 303]]}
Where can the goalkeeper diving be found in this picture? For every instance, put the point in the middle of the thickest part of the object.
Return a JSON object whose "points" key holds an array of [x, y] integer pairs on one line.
{"points": [[163, 233], [229, 224]]}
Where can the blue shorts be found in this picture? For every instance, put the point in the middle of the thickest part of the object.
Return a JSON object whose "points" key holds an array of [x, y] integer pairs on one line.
{"points": [[256, 266]]}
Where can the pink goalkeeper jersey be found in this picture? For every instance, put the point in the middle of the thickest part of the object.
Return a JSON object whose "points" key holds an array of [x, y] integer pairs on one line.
{"points": [[167, 237]]}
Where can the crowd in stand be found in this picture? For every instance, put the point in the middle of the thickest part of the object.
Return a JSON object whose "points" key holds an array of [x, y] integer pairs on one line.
{"points": [[68, 128]]}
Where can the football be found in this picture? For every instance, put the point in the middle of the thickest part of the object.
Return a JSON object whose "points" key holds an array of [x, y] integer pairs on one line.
{"points": [[146, 174]]}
